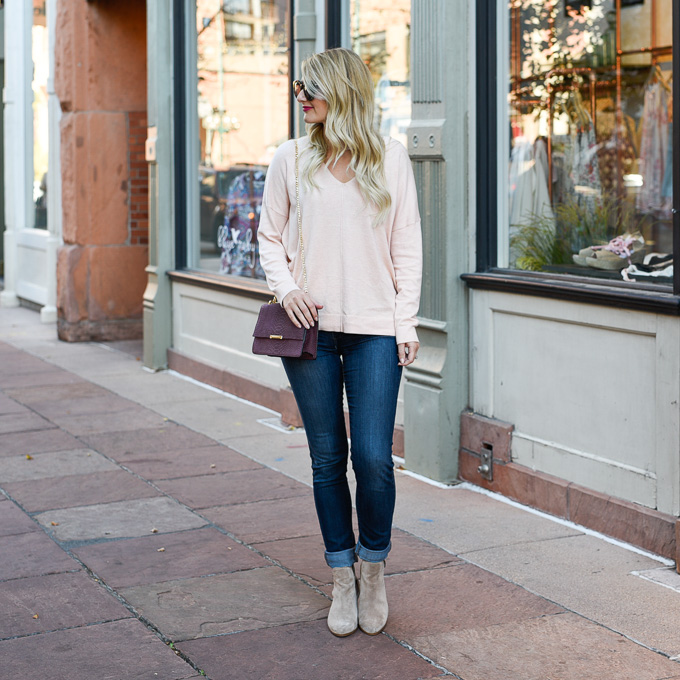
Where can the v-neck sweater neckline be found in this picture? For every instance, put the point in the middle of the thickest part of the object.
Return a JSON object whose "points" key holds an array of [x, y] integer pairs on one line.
{"points": [[339, 181]]}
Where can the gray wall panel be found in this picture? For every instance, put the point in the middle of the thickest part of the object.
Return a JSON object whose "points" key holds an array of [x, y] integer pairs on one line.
{"points": [[430, 180], [427, 27]]}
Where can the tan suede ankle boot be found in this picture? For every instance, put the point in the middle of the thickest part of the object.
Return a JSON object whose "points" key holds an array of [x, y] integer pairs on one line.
{"points": [[342, 617], [373, 608]]}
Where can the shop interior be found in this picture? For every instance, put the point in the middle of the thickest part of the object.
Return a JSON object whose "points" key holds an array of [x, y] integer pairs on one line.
{"points": [[590, 112]]}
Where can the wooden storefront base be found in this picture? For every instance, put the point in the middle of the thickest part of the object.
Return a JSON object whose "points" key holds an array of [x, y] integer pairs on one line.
{"points": [[643, 527]]}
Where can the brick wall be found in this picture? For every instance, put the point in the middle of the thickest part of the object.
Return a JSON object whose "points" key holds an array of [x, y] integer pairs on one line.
{"points": [[138, 183]]}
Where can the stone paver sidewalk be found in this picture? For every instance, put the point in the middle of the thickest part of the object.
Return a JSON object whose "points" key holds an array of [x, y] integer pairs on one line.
{"points": [[150, 528]]}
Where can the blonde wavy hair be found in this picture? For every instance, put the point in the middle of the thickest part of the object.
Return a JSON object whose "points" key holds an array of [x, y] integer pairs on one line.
{"points": [[343, 81]]}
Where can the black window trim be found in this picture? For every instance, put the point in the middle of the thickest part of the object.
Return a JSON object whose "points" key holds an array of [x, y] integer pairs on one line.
{"points": [[645, 298], [488, 276], [333, 24], [486, 133], [180, 158]]}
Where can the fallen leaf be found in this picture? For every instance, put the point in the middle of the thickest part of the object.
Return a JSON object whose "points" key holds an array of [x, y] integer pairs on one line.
{"points": [[54, 524], [166, 419], [35, 616], [29, 456], [161, 550]]}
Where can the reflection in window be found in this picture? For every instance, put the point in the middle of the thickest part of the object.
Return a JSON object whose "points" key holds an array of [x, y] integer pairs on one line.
{"points": [[237, 30], [243, 90], [40, 127], [380, 33], [590, 168]]}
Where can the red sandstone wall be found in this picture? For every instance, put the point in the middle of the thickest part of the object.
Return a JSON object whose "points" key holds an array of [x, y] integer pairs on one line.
{"points": [[100, 78]]}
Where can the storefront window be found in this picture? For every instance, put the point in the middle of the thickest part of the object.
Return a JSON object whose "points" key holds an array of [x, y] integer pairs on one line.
{"points": [[40, 128], [380, 34], [243, 97], [589, 174]]}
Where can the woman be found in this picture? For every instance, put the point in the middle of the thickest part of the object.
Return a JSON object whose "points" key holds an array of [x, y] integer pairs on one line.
{"points": [[362, 243]]}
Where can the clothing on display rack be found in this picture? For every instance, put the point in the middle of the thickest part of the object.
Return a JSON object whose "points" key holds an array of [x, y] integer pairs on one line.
{"points": [[576, 168], [654, 150], [586, 167], [667, 186], [529, 196], [617, 153], [541, 161]]}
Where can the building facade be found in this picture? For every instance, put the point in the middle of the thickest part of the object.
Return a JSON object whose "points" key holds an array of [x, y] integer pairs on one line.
{"points": [[541, 136]]}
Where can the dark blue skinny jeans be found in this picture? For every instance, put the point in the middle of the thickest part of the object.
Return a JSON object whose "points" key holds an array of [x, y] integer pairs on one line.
{"points": [[368, 367]]}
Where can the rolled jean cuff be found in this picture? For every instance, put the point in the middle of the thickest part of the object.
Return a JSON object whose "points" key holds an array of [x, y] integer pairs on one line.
{"points": [[372, 555], [342, 558]]}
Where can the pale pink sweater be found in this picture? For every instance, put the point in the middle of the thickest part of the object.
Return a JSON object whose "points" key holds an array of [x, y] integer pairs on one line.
{"points": [[367, 278]]}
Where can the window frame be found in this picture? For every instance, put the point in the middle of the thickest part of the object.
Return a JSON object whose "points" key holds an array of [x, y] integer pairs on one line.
{"points": [[640, 296], [184, 148]]}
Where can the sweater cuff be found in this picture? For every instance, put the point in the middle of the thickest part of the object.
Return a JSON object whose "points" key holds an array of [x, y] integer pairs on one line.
{"points": [[406, 334], [283, 290]]}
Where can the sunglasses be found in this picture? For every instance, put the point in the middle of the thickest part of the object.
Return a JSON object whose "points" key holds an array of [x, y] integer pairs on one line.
{"points": [[299, 86]]}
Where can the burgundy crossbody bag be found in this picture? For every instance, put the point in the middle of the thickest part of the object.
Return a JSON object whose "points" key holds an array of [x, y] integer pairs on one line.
{"points": [[275, 334]]}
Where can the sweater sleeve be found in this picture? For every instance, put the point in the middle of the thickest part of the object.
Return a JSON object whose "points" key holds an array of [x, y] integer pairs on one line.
{"points": [[273, 222], [406, 250]]}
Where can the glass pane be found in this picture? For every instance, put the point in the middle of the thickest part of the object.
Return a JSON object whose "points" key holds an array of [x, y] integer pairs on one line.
{"points": [[40, 127], [589, 174], [243, 95], [380, 34]]}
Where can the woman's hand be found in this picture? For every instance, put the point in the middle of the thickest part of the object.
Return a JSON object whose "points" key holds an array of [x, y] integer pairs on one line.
{"points": [[301, 309], [408, 352]]}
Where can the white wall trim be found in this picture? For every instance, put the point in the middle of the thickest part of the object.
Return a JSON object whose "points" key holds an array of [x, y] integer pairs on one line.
{"points": [[18, 138], [48, 314], [584, 454], [30, 254]]}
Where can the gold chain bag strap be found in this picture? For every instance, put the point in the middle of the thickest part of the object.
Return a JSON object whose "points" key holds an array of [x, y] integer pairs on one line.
{"points": [[275, 335], [299, 218]]}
